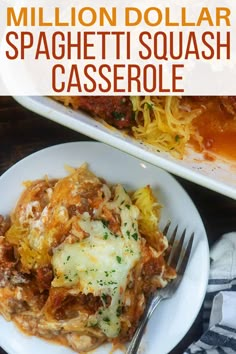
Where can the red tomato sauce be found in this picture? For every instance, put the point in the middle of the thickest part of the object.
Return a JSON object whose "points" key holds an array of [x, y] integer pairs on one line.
{"points": [[218, 129]]}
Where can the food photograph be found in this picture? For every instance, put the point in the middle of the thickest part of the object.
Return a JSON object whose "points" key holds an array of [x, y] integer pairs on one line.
{"points": [[117, 224]]}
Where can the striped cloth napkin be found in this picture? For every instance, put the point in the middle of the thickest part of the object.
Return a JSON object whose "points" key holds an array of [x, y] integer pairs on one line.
{"points": [[219, 308]]}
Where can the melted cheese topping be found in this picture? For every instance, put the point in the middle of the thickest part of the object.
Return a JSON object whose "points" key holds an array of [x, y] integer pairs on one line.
{"points": [[100, 264]]}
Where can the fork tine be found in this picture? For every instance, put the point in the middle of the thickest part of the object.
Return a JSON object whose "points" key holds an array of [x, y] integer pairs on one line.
{"points": [[182, 266], [176, 251], [172, 238], [171, 242], [166, 228]]}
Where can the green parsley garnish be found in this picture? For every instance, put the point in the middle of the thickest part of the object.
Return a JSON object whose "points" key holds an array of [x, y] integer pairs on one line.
{"points": [[119, 311], [105, 222], [149, 105], [105, 236], [135, 236], [106, 319], [104, 297], [118, 258], [118, 115], [177, 138]]}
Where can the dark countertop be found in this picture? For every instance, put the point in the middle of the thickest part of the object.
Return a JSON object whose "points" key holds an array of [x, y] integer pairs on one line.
{"points": [[23, 132]]}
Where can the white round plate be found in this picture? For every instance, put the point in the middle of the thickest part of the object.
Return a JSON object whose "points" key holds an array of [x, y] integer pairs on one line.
{"points": [[173, 317]]}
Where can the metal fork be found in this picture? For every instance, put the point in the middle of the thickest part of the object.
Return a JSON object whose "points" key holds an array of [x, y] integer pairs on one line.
{"points": [[178, 259]]}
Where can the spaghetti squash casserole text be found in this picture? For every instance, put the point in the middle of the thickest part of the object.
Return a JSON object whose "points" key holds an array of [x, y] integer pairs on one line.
{"points": [[79, 258]]}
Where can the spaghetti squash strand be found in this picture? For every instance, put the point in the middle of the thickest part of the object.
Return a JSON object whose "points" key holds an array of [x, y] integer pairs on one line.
{"points": [[162, 122]]}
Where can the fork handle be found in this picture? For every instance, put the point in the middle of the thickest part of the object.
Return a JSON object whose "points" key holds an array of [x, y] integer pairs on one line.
{"points": [[135, 342]]}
